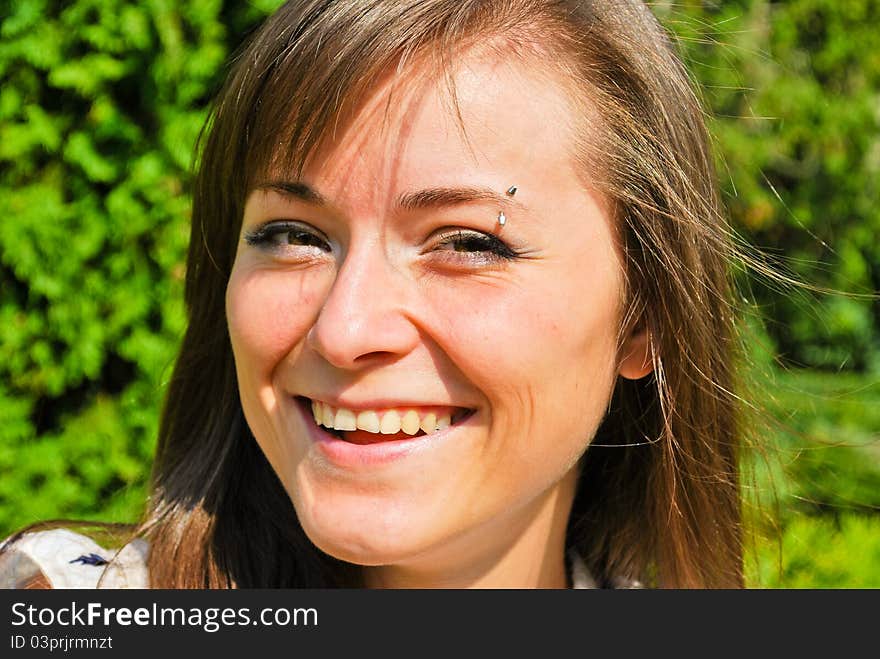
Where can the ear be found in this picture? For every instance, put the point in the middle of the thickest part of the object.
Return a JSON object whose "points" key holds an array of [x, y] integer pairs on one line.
{"points": [[636, 354]]}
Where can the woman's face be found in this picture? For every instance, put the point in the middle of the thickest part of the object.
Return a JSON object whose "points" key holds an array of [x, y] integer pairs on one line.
{"points": [[380, 291]]}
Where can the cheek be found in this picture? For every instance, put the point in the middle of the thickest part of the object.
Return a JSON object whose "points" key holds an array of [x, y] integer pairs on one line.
{"points": [[542, 353], [528, 339], [268, 315]]}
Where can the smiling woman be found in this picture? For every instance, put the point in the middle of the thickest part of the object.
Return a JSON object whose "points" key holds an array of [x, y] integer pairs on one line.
{"points": [[459, 311], [379, 293]]}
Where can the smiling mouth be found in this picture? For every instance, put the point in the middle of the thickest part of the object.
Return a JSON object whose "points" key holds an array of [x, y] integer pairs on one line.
{"points": [[382, 425]]}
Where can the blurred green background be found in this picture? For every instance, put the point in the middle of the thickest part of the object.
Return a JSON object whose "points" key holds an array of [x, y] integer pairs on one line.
{"points": [[100, 105]]}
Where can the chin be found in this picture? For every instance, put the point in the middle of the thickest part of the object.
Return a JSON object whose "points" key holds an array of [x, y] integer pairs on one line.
{"points": [[365, 549], [359, 534]]}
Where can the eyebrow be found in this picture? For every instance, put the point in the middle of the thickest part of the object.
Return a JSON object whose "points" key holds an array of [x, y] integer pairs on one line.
{"points": [[420, 200], [295, 189], [444, 197]]}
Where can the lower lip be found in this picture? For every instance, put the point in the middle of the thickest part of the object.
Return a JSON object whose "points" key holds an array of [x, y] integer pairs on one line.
{"points": [[352, 456]]}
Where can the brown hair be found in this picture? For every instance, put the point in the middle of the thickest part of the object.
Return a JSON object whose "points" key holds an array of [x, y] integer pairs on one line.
{"points": [[659, 492]]}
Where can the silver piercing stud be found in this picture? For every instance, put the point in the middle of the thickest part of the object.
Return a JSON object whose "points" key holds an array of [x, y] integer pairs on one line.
{"points": [[502, 219], [511, 191]]}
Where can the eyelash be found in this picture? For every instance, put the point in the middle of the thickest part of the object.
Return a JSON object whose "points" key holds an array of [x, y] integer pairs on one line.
{"points": [[267, 235], [483, 247], [489, 248]]}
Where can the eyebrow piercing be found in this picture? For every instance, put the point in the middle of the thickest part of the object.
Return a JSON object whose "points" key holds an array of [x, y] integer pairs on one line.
{"points": [[502, 218]]}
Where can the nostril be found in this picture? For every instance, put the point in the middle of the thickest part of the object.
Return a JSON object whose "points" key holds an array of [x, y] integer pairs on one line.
{"points": [[376, 355]]}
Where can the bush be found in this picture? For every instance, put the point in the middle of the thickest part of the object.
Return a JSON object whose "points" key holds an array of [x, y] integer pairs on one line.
{"points": [[821, 553], [100, 106], [793, 87], [818, 483]]}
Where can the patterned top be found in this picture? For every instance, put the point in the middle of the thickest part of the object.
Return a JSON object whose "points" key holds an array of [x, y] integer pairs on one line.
{"points": [[71, 560]]}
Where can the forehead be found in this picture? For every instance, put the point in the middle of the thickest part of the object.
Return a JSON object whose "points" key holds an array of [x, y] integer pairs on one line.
{"points": [[491, 115]]}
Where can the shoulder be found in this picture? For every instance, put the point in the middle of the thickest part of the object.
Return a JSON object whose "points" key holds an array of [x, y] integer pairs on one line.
{"points": [[61, 558]]}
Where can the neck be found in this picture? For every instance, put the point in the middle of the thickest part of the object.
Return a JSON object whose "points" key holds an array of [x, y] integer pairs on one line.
{"points": [[522, 549]]}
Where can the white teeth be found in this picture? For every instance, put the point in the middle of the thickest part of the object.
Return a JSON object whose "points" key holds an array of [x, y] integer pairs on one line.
{"points": [[429, 422], [368, 421], [345, 420], [410, 422], [390, 423], [329, 417]]}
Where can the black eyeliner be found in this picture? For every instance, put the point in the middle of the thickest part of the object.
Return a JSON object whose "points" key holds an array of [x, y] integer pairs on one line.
{"points": [[266, 230], [487, 242], [263, 234], [256, 236]]}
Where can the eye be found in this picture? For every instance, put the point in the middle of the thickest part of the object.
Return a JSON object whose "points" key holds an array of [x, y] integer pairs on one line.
{"points": [[288, 236], [474, 246]]}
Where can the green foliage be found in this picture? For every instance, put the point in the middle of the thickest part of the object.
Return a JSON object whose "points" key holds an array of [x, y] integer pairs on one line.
{"points": [[818, 482], [821, 552], [100, 106], [793, 87], [827, 441]]}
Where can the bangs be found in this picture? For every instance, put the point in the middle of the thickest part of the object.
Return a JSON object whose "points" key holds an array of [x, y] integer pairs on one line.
{"points": [[310, 67], [311, 71]]}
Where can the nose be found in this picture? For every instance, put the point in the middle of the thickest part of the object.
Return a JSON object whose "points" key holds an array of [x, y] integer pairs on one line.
{"points": [[364, 317]]}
